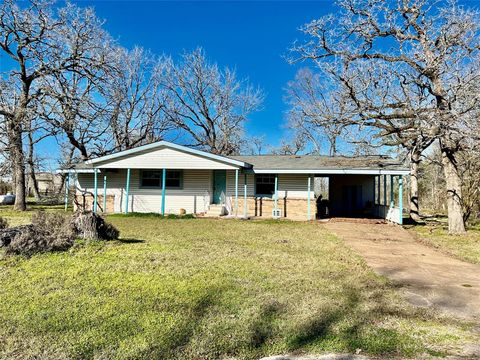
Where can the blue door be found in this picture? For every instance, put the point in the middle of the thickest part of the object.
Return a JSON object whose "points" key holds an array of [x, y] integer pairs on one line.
{"points": [[219, 185]]}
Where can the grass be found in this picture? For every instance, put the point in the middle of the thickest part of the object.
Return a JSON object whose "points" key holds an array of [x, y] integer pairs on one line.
{"points": [[209, 289], [465, 247]]}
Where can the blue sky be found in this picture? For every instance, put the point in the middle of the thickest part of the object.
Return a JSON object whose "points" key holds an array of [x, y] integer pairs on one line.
{"points": [[251, 37]]}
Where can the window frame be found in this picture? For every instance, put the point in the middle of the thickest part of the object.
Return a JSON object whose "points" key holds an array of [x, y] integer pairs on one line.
{"points": [[180, 187], [265, 175]]}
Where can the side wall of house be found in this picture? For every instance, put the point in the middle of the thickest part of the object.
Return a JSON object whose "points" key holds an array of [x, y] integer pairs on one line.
{"points": [[194, 197]]}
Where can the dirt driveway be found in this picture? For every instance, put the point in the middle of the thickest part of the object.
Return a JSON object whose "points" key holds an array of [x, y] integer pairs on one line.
{"points": [[426, 276]]}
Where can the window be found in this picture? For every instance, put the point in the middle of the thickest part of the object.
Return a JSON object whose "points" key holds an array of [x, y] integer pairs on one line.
{"points": [[153, 179], [265, 184]]}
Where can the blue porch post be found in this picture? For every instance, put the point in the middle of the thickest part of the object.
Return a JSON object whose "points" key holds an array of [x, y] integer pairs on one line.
{"points": [[276, 194], [236, 192], [67, 185], [400, 198], [164, 181], [127, 190], [245, 197], [95, 190], [308, 198], [384, 196], [392, 200], [379, 197], [105, 193]]}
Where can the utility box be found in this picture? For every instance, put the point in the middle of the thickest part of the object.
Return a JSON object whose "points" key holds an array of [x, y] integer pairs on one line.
{"points": [[276, 213]]}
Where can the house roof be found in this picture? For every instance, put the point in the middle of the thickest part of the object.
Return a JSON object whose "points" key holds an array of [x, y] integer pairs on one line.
{"points": [[377, 164], [300, 164]]}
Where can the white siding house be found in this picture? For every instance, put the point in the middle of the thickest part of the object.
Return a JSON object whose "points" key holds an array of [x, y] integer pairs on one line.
{"points": [[168, 178]]}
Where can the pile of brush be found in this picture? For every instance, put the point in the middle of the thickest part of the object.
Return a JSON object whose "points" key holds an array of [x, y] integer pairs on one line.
{"points": [[54, 232]]}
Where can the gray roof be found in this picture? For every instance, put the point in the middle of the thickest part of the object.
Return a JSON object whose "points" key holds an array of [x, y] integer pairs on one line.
{"points": [[308, 163], [312, 162]]}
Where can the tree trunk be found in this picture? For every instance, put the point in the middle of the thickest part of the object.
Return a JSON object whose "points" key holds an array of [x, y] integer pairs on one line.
{"points": [[453, 181], [414, 206], [31, 167], [18, 164]]}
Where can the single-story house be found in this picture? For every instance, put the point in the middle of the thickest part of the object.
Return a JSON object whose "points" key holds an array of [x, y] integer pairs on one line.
{"points": [[167, 178]]}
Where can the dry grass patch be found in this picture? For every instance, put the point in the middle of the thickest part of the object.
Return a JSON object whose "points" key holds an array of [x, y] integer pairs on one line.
{"points": [[209, 289], [465, 247]]}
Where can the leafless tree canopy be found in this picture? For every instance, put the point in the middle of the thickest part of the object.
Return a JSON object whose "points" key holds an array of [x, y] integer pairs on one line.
{"points": [[408, 68], [208, 105]]}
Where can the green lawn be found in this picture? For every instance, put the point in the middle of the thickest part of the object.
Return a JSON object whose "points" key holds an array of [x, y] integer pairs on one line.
{"points": [[209, 289], [466, 247]]}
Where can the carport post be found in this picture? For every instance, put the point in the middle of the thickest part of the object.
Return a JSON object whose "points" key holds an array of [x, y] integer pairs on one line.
{"points": [[276, 194], [400, 198], [385, 190], [67, 185], [105, 193], [308, 198], [236, 192], [127, 190], [164, 181], [379, 202], [95, 190], [245, 196], [392, 200]]}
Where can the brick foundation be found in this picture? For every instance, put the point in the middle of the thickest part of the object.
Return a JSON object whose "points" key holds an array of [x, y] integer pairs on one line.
{"points": [[291, 208], [85, 202]]}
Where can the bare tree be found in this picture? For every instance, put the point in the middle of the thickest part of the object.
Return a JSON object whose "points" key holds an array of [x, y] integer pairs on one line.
{"points": [[417, 86], [42, 43], [317, 112], [206, 104], [135, 100]]}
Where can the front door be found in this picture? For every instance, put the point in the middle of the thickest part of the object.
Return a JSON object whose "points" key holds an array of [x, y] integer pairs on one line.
{"points": [[219, 185]]}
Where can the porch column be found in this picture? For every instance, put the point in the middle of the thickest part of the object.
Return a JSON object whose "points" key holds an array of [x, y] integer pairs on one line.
{"points": [[378, 191], [105, 193], [245, 197], [384, 196], [164, 181], [400, 198], [276, 194], [236, 192], [67, 185], [385, 190], [127, 190], [95, 190], [392, 200], [308, 198], [374, 192]]}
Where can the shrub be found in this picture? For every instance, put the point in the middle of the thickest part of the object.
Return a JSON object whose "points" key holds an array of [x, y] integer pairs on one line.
{"points": [[88, 225], [48, 232], [3, 223]]}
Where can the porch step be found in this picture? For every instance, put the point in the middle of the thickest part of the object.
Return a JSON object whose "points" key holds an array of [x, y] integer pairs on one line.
{"points": [[215, 210]]}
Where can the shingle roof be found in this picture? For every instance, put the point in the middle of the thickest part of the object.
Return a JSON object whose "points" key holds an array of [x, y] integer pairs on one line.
{"points": [[311, 162]]}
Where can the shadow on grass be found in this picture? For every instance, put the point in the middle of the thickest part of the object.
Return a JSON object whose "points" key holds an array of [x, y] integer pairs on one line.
{"points": [[351, 324], [177, 343], [130, 241]]}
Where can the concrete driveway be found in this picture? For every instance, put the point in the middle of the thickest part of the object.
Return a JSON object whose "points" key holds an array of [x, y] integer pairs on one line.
{"points": [[427, 277]]}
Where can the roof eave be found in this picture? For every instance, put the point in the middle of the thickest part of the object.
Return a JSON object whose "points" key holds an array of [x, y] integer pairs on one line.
{"points": [[334, 171]]}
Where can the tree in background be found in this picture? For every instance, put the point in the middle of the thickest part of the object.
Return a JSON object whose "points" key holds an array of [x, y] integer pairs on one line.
{"points": [[135, 100], [208, 105], [408, 68]]}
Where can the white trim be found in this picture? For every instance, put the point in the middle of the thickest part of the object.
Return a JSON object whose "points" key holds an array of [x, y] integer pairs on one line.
{"points": [[333, 171], [75, 171], [167, 144]]}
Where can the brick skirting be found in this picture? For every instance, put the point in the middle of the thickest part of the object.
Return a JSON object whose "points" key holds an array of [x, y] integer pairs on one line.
{"points": [[291, 208]]}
